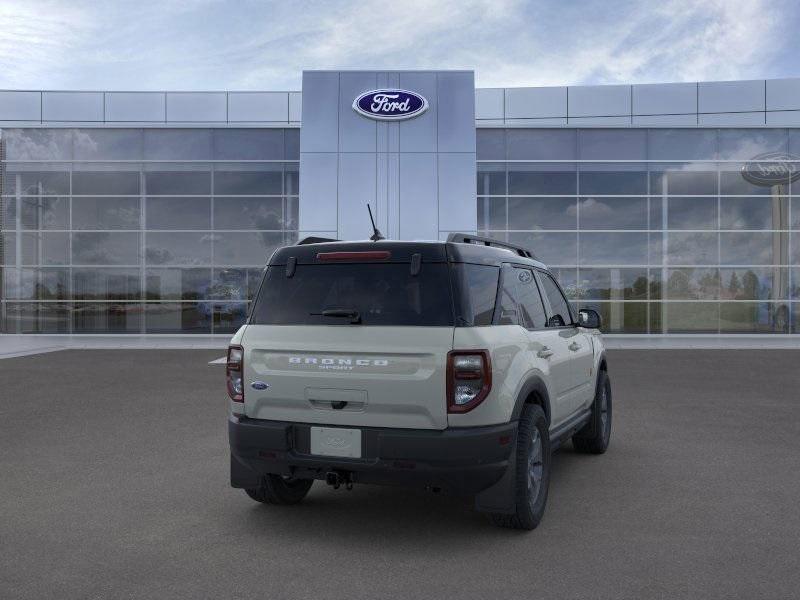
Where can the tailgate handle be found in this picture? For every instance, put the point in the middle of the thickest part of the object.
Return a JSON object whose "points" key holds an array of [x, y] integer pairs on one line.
{"points": [[336, 399]]}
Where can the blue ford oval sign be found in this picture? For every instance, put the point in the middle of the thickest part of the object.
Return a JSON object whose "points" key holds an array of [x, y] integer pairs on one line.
{"points": [[772, 168], [390, 105]]}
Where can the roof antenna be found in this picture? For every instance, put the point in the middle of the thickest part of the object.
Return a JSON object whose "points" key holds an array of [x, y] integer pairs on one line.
{"points": [[376, 235]]}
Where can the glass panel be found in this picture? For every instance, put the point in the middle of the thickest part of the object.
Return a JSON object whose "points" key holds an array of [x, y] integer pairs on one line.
{"points": [[732, 182], [612, 144], [795, 220], [38, 144], [550, 248], [248, 213], [101, 317], [690, 317], [754, 213], [683, 180], [108, 144], [8, 248], [735, 143], [754, 317], [291, 140], [541, 144], [613, 284], [794, 290], [291, 216], [692, 248], [178, 284], [758, 248], [245, 248], [253, 282], [491, 179], [491, 144], [559, 307], [682, 144], [753, 283], [32, 317], [291, 178], [178, 144], [693, 284], [541, 213], [178, 213], [656, 283], [541, 179], [249, 182], [612, 213], [229, 317], [43, 183], [609, 183], [184, 317], [45, 248], [8, 213], [691, 213], [52, 284], [105, 213], [492, 213], [613, 249], [112, 183], [106, 284], [229, 284], [620, 317], [45, 212], [175, 248], [105, 248], [178, 183], [475, 300], [248, 144]]}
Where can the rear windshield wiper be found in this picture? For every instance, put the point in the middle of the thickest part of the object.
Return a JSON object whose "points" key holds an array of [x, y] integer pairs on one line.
{"points": [[344, 313]]}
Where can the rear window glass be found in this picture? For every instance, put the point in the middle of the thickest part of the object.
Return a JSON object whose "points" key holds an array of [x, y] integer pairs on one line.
{"points": [[477, 287], [381, 294]]}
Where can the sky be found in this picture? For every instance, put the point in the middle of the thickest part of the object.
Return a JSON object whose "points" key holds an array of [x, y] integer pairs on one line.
{"points": [[265, 45]]}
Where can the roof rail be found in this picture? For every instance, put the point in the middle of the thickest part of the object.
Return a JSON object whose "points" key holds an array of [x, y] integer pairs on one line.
{"points": [[467, 238], [314, 240]]}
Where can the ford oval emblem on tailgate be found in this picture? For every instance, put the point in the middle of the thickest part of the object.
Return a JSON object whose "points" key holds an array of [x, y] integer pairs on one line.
{"points": [[259, 385]]}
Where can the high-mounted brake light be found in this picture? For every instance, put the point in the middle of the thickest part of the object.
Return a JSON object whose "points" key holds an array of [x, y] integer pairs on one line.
{"points": [[234, 373], [469, 379], [366, 255]]}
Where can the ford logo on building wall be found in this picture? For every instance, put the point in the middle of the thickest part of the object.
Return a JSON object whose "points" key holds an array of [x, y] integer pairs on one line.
{"points": [[390, 105], [772, 168]]}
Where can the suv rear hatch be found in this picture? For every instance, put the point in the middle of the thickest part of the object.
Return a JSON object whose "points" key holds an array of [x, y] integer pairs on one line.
{"points": [[351, 334]]}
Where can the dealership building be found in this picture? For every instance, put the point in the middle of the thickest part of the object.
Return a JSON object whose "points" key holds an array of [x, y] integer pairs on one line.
{"points": [[668, 208]]}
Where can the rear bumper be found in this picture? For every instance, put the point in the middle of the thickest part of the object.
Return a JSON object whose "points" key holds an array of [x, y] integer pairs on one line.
{"points": [[461, 461]]}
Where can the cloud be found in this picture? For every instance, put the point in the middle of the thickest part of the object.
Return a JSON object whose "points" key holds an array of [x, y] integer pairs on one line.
{"points": [[207, 44]]}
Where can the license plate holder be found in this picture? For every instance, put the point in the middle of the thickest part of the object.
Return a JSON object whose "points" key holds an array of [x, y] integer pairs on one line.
{"points": [[336, 441]]}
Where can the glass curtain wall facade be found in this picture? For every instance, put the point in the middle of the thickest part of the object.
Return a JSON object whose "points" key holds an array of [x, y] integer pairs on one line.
{"points": [[656, 229], [141, 230]]}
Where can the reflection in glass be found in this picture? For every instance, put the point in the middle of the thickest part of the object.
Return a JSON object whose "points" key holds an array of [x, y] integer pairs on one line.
{"points": [[754, 212], [612, 144], [183, 317], [105, 284], [178, 248], [44, 212], [754, 317], [248, 144], [629, 183], [105, 213], [492, 213], [613, 249], [753, 248], [178, 213], [539, 213], [690, 317], [229, 284], [677, 182], [47, 248], [612, 213], [541, 144], [692, 248], [228, 317], [754, 283], [8, 248], [101, 248], [43, 183], [178, 144], [613, 284], [33, 317], [178, 183], [38, 144], [241, 182], [693, 284], [491, 179], [111, 183], [491, 144], [522, 182], [178, 284], [248, 213], [101, 317], [620, 317], [550, 248], [108, 144], [691, 213], [245, 248]]}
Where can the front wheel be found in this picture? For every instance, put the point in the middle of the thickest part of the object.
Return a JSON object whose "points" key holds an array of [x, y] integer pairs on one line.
{"points": [[275, 489], [533, 471], [594, 437]]}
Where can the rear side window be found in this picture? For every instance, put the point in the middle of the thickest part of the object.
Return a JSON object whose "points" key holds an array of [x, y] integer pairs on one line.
{"points": [[381, 294], [520, 301], [559, 306], [476, 287]]}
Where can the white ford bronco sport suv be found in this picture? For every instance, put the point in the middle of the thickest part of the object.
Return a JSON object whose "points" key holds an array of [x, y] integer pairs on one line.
{"points": [[456, 366]]}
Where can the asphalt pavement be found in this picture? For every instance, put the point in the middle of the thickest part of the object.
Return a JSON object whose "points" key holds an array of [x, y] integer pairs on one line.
{"points": [[114, 484]]}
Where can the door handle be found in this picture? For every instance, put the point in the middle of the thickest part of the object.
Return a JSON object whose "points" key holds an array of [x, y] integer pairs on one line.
{"points": [[574, 346], [545, 352]]}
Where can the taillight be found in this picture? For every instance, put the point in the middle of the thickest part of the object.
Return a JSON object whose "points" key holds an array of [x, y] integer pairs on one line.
{"points": [[234, 372], [469, 379]]}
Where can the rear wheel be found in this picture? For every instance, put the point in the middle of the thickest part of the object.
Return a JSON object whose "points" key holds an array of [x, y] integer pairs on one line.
{"points": [[275, 489], [533, 471], [594, 437]]}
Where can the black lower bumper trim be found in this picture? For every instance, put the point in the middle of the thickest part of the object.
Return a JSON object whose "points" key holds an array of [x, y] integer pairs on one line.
{"points": [[458, 460]]}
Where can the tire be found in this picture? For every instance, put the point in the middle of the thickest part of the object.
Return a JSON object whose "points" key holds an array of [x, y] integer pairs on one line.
{"points": [[277, 490], [532, 471], [595, 436]]}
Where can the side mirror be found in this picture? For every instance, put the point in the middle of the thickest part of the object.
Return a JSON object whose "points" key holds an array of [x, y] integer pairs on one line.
{"points": [[589, 318]]}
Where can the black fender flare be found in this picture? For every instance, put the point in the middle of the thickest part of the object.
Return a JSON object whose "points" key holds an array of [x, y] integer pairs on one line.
{"points": [[533, 385]]}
